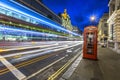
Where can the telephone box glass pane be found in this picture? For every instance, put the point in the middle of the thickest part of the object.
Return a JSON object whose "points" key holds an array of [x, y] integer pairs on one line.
{"points": [[90, 37]]}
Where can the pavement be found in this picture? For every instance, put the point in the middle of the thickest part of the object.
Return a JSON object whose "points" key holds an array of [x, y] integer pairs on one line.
{"points": [[107, 67]]}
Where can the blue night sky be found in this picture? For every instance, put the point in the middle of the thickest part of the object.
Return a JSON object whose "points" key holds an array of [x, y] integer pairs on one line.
{"points": [[79, 10]]}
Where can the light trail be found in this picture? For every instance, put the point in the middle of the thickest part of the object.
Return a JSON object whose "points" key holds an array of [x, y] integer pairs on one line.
{"points": [[44, 49], [50, 51], [22, 10]]}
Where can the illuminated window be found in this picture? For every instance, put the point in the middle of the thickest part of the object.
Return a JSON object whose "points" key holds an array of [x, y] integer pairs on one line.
{"points": [[1, 36], [105, 25], [2, 11], [15, 15], [9, 13], [23, 18]]}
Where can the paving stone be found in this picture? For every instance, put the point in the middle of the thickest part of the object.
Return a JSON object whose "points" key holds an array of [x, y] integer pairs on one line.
{"points": [[107, 67]]}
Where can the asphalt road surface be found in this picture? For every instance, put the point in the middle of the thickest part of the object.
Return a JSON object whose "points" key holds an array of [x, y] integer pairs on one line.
{"points": [[36, 61]]}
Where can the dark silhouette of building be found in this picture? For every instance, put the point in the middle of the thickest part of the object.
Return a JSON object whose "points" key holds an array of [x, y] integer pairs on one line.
{"points": [[38, 6]]}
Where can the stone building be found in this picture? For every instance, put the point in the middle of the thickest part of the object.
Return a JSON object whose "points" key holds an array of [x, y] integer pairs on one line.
{"points": [[114, 25], [103, 29]]}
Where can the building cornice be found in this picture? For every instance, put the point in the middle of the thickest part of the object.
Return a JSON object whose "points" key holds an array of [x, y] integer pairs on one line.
{"points": [[47, 8], [109, 2]]}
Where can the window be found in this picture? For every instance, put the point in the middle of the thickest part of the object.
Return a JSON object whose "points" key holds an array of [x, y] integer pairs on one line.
{"points": [[15, 15], [23, 18], [2, 11], [118, 7], [105, 25], [105, 32], [33, 21], [112, 31], [105, 19], [9, 13]]}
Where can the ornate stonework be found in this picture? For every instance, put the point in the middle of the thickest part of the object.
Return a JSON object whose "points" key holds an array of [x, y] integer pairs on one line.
{"points": [[66, 22]]}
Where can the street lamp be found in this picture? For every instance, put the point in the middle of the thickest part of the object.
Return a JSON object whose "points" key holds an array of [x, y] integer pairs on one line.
{"points": [[92, 18]]}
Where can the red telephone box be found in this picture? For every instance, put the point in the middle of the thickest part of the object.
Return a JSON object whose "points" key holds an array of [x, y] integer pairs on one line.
{"points": [[90, 43]]}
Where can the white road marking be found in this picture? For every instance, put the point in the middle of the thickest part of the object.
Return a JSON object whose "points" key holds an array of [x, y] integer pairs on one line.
{"points": [[34, 74], [69, 50], [71, 69], [12, 68], [77, 50]]}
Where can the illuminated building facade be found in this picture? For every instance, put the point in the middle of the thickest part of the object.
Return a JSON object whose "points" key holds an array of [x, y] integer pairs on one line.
{"points": [[18, 22], [114, 25], [103, 29]]}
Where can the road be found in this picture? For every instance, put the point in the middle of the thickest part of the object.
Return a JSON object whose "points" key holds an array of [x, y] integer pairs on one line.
{"points": [[36, 60]]}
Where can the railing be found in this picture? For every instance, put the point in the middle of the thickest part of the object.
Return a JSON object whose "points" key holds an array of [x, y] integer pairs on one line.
{"points": [[111, 44], [118, 45]]}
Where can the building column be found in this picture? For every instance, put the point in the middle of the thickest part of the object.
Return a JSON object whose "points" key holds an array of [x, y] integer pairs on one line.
{"points": [[109, 31], [110, 9], [117, 3], [116, 46]]}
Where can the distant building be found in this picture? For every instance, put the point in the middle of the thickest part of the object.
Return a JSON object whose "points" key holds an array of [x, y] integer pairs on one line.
{"points": [[39, 7], [103, 28], [114, 25], [76, 30], [66, 22]]}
